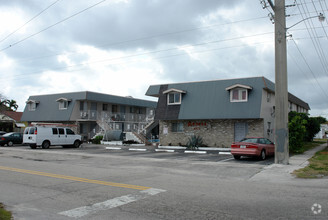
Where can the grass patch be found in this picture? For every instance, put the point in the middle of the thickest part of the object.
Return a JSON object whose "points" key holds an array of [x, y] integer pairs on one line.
{"points": [[4, 214], [318, 167], [308, 146]]}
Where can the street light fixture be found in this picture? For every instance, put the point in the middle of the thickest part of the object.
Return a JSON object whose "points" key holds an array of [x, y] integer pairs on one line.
{"points": [[321, 18]]}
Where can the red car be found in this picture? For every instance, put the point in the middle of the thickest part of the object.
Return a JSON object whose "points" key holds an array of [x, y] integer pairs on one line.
{"points": [[255, 147]]}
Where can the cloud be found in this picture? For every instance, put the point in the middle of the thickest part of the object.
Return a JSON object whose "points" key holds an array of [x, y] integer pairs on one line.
{"points": [[121, 47]]}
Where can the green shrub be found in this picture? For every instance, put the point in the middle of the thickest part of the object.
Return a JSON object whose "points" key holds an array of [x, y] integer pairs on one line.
{"points": [[97, 139], [194, 142], [297, 132]]}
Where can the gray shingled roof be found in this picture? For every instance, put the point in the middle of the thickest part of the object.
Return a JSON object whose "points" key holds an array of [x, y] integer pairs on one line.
{"points": [[210, 100], [48, 109]]}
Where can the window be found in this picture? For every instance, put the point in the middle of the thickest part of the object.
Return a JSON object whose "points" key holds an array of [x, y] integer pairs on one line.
{"points": [[238, 95], [174, 98], [114, 108], [54, 131], [63, 105], [61, 130], [105, 107], [81, 105], [32, 106], [32, 130], [268, 97], [177, 127], [69, 131]]}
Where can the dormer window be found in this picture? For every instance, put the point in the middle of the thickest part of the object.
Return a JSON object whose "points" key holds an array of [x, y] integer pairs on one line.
{"points": [[238, 93], [174, 96], [63, 103], [32, 104]]}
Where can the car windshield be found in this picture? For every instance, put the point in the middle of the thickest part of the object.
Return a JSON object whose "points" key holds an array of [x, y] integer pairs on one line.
{"points": [[249, 140], [7, 134]]}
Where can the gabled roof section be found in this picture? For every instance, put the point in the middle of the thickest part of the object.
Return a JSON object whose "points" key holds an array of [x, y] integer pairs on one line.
{"points": [[62, 99], [16, 116], [48, 109], [239, 86], [32, 101], [209, 99], [174, 90]]}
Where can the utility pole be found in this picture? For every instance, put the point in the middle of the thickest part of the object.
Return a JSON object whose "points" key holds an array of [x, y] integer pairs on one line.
{"points": [[281, 84]]}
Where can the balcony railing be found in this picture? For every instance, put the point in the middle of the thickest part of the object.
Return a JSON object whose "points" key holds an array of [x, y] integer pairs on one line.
{"points": [[115, 117]]}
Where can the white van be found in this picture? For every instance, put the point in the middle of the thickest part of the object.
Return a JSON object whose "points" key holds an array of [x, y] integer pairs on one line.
{"points": [[46, 136]]}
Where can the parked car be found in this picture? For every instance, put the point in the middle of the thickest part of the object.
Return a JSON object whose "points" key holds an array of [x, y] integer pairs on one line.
{"points": [[2, 133], [255, 147], [11, 138], [41, 136]]}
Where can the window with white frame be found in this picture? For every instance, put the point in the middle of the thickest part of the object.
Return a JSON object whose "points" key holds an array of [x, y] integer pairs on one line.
{"points": [[239, 95], [63, 104], [174, 98], [31, 106]]}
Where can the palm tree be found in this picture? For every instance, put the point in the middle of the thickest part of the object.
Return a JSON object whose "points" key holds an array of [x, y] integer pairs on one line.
{"points": [[12, 105]]}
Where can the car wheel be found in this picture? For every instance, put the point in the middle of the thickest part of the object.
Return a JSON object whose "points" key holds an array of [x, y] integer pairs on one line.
{"points": [[33, 146], [76, 144], [10, 143], [45, 144], [237, 157], [263, 155]]}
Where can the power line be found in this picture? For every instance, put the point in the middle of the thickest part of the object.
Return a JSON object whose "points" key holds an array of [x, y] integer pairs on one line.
{"points": [[154, 36], [26, 75], [69, 17], [37, 15], [308, 66], [313, 35]]}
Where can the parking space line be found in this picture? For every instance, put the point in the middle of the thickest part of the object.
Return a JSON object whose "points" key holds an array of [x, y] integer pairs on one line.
{"points": [[164, 150], [78, 179], [113, 148], [137, 149], [225, 153], [109, 204], [227, 159]]}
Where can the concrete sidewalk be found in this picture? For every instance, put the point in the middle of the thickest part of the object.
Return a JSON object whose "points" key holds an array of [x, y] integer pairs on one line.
{"points": [[281, 173]]}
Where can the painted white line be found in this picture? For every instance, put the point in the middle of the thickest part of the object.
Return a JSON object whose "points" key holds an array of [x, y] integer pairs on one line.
{"points": [[173, 147], [225, 153], [164, 150], [113, 148], [137, 149], [214, 148], [195, 152], [109, 204], [226, 160]]}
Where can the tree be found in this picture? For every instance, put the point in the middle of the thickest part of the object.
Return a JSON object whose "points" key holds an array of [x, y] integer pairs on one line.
{"points": [[7, 105], [297, 131], [12, 105], [321, 120], [302, 128]]}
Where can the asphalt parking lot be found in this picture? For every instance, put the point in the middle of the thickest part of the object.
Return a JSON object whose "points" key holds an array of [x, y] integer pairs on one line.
{"points": [[154, 152]]}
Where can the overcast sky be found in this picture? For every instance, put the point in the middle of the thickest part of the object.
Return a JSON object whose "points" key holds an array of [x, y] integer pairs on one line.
{"points": [[121, 47]]}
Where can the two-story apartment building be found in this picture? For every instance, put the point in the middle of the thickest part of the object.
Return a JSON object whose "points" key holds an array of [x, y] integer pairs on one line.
{"points": [[89, 113], [219, 111]]}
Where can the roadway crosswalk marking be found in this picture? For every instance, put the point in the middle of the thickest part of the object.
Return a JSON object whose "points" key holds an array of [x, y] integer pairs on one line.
{"points": [[109, 204]]}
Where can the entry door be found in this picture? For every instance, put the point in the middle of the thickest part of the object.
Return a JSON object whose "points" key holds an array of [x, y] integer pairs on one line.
{"points": [[62, 136], [240, 131]]}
